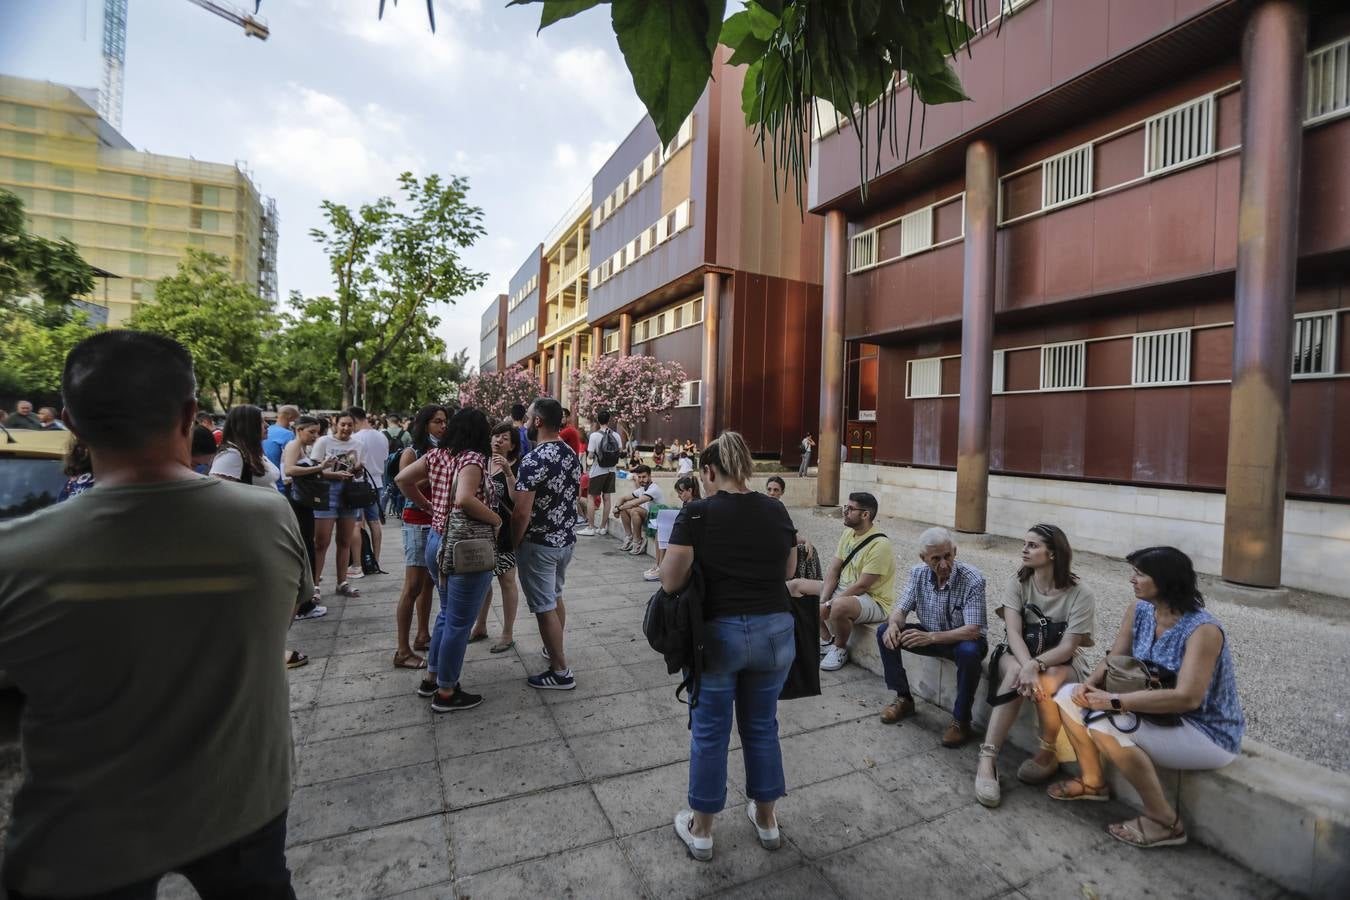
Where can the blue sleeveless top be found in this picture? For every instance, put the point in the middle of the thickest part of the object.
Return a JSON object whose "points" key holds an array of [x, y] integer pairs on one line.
{"points": [[1220, 714]]}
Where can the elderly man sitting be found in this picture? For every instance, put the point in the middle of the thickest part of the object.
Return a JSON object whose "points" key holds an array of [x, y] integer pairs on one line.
{"points": [[948, 597]]}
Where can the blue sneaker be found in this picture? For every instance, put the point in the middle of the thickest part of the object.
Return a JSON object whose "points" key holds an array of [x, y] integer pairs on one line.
{"points": [[552, 681]]}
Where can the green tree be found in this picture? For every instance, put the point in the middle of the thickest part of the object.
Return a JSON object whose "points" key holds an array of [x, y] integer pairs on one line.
{"points": [[416, 370], [33, 348], [221, 322], [34, 266], [390, 264]]}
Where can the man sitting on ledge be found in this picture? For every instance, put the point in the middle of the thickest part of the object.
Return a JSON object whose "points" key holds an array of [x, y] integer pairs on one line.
{"points": [[864, 565], [949, 599]]}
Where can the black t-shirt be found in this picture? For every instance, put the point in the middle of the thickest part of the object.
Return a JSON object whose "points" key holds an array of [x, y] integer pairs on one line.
{"points": [[743, 550]]}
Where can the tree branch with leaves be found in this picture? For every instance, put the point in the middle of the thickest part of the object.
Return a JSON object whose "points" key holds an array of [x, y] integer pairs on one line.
{"points": [[392, 262]]}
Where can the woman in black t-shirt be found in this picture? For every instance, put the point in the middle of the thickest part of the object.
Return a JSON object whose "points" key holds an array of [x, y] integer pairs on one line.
{"points": [[503, 468], [745, 544]]}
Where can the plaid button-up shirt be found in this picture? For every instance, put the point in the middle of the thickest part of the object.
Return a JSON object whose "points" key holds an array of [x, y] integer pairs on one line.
{"points": [[441, 471], [959, 602]]}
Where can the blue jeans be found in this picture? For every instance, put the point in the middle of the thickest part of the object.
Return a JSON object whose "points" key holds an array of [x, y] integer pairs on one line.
{"points": [[968, 656], [461, 598], [746, 660]]}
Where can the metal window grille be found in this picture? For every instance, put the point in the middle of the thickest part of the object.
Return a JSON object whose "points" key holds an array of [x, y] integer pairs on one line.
{"points": [[1315, 344], [1062, 366], [1179, 136], [1000, 371], [863, 250], [916, 231], [1328, 81], [1162, 357], [925, 378], [1066, 177], [597, 216]]}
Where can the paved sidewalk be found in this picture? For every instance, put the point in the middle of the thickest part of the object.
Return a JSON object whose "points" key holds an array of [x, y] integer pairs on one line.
{"points": [[571, 794]]}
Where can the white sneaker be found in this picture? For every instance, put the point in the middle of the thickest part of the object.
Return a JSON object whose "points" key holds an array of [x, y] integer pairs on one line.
{"points": [[834, 659], [769, 838], [639, 548], [825, 645], [700, 848], [603, 530], [652, 574], [626, 545], [588, 531]]}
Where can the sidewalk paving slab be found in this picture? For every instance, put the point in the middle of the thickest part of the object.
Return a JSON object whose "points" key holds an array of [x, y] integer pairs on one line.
{"points": [[571, 794]]}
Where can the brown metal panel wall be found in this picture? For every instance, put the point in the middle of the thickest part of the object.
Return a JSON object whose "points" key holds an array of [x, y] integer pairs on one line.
{"points": [[1063, 440], [1324, 222], [1023, 431], [1161, 435], [1212, 353], [1108, 446], [1312, 404], [686, 348], [1340, 425], [1207, 464]]}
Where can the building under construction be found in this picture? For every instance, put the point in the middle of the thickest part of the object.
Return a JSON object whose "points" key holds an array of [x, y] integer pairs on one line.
{"points": [[130, 213]]}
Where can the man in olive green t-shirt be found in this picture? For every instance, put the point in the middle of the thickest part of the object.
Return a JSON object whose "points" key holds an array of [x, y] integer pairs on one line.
{"points": [[859, 585], [145, 623]]}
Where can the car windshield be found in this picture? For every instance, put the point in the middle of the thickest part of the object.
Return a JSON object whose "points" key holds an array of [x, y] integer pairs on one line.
{"points": [[27, 485]]}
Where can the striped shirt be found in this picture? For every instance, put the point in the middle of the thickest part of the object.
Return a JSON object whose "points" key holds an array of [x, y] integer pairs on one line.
{"points": [[957, 603]]}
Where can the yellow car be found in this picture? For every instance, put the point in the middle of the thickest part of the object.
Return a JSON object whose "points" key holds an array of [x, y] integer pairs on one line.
{"points": [[31, 470]]}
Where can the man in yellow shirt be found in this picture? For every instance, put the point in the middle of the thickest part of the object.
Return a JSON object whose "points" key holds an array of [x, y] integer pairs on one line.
{"points": [[859, 586]]}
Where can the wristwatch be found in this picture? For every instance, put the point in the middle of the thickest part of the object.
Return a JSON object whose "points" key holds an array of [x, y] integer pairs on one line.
{"points": [[1115, 702]]}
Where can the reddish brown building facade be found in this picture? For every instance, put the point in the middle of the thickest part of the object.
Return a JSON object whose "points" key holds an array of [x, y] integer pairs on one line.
{"points": [[1072, 300], [693, 259]]}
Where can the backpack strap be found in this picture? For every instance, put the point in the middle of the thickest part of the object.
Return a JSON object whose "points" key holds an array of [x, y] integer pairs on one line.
{"points": [[693, 681]]}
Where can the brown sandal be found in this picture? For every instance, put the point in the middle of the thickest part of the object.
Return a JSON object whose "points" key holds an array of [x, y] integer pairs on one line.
{"points": [[1060, 791], [409, 661], [422, 646], [1132, 833], [295, 659]]}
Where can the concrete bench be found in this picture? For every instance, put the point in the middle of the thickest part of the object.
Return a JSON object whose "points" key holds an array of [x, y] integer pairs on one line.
{"points": [[1281, 816]]}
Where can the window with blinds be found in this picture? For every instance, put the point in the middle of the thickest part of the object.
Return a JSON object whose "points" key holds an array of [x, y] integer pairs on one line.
{"points": [[1066, 177], [1162, 357], [925, 378], [691, 393], [916, 231], [1328, 82], [1314, 344], [1179, 136], [863, 251], [1062, 366]]}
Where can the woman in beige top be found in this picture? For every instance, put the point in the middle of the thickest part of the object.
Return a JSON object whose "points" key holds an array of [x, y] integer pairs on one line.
{"points": [[1046, 581]]}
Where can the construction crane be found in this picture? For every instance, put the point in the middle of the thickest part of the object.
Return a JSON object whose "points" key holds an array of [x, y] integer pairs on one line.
{"points": [[115, 48]]}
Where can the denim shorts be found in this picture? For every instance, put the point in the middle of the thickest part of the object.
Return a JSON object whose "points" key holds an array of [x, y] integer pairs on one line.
{"points": [[335, 509], [415, 546], [542, 571], [372, 512]]}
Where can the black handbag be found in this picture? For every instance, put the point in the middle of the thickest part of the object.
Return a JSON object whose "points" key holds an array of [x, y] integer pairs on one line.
{"points": [[360, 492], [1040, 635], [310, 491], [673, 623]]}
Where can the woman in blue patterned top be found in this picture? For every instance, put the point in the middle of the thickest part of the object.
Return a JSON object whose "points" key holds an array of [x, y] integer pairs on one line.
{"points": [[1169, 628]]}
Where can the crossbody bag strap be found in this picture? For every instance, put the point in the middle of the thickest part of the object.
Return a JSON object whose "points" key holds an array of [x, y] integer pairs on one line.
{"points": [[856, 550], [992, 696]]}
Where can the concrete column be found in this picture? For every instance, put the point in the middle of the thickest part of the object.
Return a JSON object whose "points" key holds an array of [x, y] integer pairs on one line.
{"points": [[832, 360], [1273, 76], [557, 381], [529, 365], [597, 342], [543, 369], [626, 334], [712, 317], [977, 338], [575, 350]]}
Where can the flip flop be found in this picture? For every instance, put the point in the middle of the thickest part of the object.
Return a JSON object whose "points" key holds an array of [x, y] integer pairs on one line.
{"points": [[295, 659], [475, 638], [500, 647], [409, 661]]}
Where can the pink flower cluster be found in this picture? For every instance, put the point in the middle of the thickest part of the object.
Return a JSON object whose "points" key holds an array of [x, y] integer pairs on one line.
{"points": [[630, 387], [495, 392]]}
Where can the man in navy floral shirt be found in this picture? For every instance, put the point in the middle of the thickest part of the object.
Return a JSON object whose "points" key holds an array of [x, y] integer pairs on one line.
{"points": [[541, 529]]}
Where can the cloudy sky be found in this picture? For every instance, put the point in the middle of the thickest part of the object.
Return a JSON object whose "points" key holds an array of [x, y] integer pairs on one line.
{"points": [[336, 103]]}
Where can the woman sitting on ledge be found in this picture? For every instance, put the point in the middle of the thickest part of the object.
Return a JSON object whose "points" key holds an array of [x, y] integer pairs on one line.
{"points": [[1046, 584], [1169, 629]]}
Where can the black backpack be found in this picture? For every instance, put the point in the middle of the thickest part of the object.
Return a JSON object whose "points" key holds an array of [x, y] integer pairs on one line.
{"points": [[608, 457], [673, 623]]}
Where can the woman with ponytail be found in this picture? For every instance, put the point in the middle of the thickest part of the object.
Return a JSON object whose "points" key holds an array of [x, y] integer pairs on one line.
{"points": [[746, 546]]}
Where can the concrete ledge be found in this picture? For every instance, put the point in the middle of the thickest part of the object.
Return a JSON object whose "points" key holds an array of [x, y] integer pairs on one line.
{"points": [[1246, 595], [1280, 816]]}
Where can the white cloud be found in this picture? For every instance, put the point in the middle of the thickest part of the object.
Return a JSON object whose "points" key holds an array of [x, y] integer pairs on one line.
{"points": [[319, 141]]}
